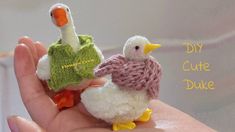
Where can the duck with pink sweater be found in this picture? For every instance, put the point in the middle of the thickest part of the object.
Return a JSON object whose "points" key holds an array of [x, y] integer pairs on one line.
{"points": [[135, 79]]}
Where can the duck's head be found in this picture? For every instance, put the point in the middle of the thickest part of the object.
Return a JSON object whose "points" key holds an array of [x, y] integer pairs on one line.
{"points": [[138, 48], [61, 15]]}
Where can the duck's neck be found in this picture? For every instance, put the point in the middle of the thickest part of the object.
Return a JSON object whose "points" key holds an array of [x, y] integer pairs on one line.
{"points": [[69, 36]]}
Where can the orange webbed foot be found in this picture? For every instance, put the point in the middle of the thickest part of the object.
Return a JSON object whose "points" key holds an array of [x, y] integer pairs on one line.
{"points": [[64, 99]]}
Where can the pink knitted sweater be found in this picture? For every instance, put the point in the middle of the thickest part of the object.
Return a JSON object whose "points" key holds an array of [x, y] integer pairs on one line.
{"points": [[130, 74]]}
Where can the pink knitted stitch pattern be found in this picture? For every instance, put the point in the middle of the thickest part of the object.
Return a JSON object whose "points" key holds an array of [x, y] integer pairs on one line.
{"points": [[129, 74]]}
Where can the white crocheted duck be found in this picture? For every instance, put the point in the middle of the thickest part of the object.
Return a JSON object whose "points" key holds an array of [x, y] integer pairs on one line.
{"points": [[135, 81]]}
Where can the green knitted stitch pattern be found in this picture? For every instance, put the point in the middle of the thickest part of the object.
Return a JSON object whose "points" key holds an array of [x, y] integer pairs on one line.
{"points": [[70, 68]]}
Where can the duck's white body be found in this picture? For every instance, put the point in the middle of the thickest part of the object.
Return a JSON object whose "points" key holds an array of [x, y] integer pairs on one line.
{"points": [[43, 68], [114, 105]]}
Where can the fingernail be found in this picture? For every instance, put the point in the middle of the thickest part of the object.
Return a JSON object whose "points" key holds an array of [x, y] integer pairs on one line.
{"points": [[38, 42], [11, 124]]}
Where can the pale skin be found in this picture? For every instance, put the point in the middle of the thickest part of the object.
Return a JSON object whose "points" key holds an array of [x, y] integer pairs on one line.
{"points": [[46, 117]]}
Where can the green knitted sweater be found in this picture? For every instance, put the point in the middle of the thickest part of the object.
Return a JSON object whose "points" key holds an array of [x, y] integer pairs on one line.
{"points": [[70, 68]]}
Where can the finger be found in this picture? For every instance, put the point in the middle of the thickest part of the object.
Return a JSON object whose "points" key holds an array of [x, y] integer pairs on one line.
{"points": [[72, 119], [41, 50], [83, 85], [39, 105], [29, 43], [98, 82], [88, 83], [95, 130], [19, 124]]}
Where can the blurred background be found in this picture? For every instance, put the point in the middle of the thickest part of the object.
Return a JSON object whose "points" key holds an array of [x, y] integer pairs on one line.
{"points": [[171, 23]]}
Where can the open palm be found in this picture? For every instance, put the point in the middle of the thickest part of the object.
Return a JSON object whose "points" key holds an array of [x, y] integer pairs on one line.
{"points": [[37, 99]]}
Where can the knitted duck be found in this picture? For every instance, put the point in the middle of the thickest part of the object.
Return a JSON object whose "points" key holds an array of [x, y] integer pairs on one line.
{"points": [[135, 78], [69, 60]]}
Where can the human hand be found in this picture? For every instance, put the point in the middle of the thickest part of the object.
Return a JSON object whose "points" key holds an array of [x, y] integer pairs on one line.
{"points": [[46, 116]]}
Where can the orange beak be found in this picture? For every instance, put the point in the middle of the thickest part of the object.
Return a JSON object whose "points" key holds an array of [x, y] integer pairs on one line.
{"points": [[60, 16]]}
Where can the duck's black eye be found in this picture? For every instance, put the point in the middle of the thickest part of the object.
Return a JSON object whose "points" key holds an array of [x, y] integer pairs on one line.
{"points": [[51, 14], [67, 9], [137, 47]]}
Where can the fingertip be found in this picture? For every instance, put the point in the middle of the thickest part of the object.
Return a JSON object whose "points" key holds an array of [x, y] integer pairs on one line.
{"points": [[19, 124], [20, 50], [12, 123], [103, 79], [98, 82], [20, 45], [11, 118], [38, 42], [30, 44], [25, 39], [41, 50], [23, 60]]}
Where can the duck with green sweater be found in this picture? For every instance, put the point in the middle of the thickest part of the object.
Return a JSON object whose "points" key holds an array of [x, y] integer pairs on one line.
{"points": [[71, 59]]}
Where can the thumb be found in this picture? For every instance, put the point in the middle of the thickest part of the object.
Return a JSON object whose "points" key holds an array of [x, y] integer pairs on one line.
{"points": [[19, 124]]}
